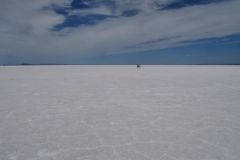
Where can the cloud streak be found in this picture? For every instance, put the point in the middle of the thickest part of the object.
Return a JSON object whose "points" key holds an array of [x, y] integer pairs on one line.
{"points": [[26, 28]]}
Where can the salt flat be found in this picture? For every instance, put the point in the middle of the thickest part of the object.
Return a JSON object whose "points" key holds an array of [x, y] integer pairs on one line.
{"points": [[120, 113]]}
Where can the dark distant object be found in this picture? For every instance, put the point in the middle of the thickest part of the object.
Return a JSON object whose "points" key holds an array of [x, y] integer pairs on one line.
{"points": [[25, 64], [138, 66]]}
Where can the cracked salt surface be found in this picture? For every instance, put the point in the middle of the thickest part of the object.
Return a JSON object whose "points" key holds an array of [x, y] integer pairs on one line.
{"points": [[120, 113]]}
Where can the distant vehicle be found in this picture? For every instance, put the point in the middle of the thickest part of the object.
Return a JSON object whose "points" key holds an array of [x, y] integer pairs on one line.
{"points": [[138, 66]]}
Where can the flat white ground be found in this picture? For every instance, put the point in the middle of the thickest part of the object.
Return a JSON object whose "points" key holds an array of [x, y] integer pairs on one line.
{"points": [[120, 113]]}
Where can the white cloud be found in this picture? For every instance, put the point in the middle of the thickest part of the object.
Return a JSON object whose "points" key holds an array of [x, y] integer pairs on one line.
{"points": [[25, 29], [99, 10]]}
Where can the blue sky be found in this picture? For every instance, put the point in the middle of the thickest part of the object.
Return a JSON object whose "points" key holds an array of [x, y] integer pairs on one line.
{"points": [[120, 31]]}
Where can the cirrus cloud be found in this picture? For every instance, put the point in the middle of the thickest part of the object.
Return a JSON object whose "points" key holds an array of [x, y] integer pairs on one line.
{"points": [[27, 28]]}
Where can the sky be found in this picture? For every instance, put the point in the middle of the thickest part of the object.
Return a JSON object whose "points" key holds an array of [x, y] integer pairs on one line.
{"points": [[119, 31]]}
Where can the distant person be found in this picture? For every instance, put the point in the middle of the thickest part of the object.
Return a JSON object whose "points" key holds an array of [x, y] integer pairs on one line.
{"points": [[138, 66]]}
